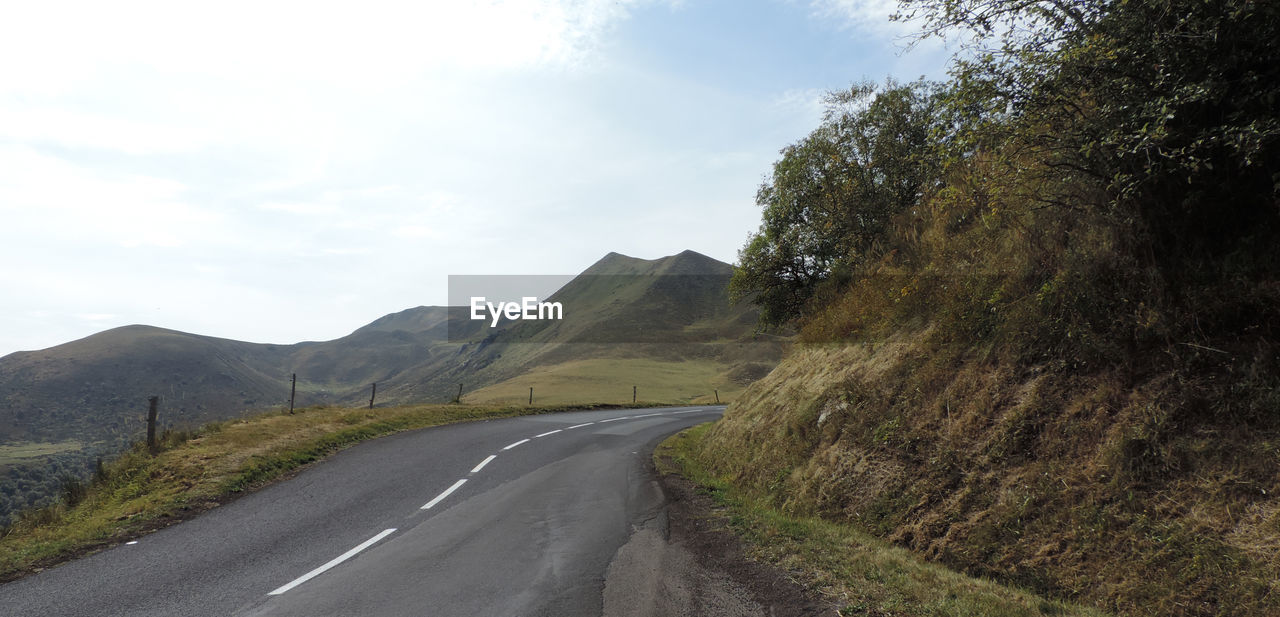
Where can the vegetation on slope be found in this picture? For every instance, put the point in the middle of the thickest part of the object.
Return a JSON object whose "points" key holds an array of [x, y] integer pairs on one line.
{"points": [[1053, 358], [860, 574]]}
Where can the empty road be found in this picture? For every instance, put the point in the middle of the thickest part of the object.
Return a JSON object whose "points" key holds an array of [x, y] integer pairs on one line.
{"points": [[518, 517]]}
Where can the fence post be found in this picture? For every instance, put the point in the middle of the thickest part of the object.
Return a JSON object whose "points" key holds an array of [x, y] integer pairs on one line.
{"points": [[458, 399], [373, 394], [530, 395], [717, 396], [633, 395], [151, 422], [293, 389]]}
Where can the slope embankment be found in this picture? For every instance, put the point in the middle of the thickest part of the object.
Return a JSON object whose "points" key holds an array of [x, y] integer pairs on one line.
{"points": [[1086, 486]]}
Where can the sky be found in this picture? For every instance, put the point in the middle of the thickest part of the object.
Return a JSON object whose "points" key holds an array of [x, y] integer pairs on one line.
{"points": [[286, 171]]}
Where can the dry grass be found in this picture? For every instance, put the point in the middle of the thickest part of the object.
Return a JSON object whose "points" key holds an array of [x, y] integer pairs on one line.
{"points": [[1074, 486], [860, 573]]}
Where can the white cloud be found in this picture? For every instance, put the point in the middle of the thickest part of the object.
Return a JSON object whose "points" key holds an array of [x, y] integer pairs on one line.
{"points": [[927, 55], [75, 128], [72, 203], [56, 46], [302, 209], [871, 15]]}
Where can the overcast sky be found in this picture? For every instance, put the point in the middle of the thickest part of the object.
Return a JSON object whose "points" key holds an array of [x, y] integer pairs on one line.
{"points": [[288, 171]]}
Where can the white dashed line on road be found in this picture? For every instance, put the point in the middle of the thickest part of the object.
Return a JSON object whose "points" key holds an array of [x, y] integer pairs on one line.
{"points": [[339, 559], [439, 498], [483, 463], [516, 444]]}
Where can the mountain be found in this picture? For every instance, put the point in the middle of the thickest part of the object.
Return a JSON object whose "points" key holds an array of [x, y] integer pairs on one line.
{"points": [[627, 320], [666, 312], [95, 387]]}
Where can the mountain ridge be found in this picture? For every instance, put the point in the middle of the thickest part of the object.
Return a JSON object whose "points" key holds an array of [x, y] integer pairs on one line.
{"points": [[102, 380]]}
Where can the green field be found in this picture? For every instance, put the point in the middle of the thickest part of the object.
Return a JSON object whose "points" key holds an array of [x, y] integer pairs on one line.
{"points": [[610, 380], [22, 452]]}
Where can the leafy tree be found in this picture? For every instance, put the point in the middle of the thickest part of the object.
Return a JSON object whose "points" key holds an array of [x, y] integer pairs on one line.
{"points": [[1172, 106], [833, 194]]}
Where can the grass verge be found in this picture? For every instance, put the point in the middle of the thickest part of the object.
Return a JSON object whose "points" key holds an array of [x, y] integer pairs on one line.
{"points": [[863, 575], [194, 471]]}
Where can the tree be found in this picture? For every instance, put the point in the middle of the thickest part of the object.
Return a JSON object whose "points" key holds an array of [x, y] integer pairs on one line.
{"points": [[832, 195]]}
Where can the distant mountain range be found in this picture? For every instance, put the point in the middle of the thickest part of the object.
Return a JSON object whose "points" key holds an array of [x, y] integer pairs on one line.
{"points": [[621, 312]]}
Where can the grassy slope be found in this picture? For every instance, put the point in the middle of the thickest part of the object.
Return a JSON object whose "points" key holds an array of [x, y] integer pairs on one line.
{"points": [[1077, 486], [97, 387], [862, 574], [196, 471]]}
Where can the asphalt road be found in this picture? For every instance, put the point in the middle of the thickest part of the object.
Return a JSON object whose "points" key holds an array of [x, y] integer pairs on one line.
{"points": [[518, 517]]}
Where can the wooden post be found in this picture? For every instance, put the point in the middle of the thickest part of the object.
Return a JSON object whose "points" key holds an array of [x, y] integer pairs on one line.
{"points": [[633, 395], [373, 394], [151, 422], [293, 389], [458, 399], [530, 395], [717, 396]]}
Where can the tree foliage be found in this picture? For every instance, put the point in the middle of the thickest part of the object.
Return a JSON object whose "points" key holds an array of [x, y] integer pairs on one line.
{"points": [[833, 194], [1162, 116], [1173, 106]]}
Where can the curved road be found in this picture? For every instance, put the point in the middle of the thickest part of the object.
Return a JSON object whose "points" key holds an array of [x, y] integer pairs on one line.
{"points": [[518, 517]]}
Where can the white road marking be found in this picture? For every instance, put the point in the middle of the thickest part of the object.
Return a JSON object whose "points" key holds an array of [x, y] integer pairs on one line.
{"points": [[339, 559], [132, 542], [646, 416], [615, 419], [483, 463], [580, 425], [516, 444], [439, 498], [548, 433]]}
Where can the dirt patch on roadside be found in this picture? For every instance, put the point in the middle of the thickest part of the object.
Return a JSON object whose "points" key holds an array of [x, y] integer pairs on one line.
{"points": [[686, 563]]}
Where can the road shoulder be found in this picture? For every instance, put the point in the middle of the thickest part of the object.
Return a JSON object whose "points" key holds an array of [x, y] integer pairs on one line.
{"points": [[687, 562]]}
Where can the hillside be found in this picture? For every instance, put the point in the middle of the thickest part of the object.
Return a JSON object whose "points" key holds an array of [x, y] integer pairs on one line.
{"points": [[621, 312], [93, 388]]}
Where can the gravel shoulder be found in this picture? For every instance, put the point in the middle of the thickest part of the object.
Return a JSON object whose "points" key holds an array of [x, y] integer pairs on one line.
{"points": [[685, 563]]}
